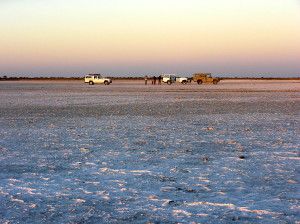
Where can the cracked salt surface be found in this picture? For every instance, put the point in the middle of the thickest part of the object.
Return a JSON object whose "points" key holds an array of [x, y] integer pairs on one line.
{"points": [[126, 153]]}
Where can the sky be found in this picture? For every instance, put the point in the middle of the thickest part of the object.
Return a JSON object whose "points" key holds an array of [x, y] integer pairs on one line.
{"points": [[121, 38]]}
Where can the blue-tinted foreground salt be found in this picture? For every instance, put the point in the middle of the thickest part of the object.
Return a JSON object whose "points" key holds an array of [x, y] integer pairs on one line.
{"points": [[129, 153]]}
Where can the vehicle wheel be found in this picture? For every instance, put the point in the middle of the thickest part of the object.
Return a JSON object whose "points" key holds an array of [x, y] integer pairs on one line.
{"points": [[183, 82], [91, 83], [199, 81], [215, 82], [169, 82], [106, 83]]}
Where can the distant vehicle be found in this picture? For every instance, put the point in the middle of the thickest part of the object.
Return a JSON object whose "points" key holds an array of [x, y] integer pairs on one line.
{"points": [[171, 78], [205, 78], [92, 79]]}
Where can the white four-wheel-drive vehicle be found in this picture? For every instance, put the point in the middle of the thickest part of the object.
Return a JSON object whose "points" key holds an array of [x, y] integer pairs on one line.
{"points": [[92, 79], [171, 78]]}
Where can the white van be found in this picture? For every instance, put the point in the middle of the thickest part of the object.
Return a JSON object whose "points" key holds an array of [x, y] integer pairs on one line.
{"points": [[171, 78], [92, 79]]}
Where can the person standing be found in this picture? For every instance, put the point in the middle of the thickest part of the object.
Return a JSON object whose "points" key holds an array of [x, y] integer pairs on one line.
{"points": [[146, 80], [154, 80], [159, 80]]}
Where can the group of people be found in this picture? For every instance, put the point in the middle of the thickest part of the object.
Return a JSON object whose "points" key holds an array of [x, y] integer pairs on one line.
{"points": [[154, 80]]}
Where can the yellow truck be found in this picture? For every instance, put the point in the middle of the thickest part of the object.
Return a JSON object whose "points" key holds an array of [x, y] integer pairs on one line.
{"points": [[205, 78]]}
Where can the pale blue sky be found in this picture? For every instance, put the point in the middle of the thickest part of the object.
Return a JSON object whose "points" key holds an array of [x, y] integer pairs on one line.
{"points": [[135, 37]]}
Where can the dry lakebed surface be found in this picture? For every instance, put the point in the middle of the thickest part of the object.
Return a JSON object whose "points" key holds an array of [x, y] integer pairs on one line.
{"points": [[131, 153]]}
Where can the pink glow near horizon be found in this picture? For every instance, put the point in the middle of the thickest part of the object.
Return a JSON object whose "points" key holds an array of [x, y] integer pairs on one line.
{"points": [[248, 38]]}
